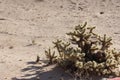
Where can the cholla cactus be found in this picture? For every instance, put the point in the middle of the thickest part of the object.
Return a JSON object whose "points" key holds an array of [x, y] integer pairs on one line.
{"points": [[51, 56], [105, 42], [91, 55]]}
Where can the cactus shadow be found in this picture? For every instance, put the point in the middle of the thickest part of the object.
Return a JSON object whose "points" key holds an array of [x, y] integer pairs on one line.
{"points": [[42, 72], [37, 71]]}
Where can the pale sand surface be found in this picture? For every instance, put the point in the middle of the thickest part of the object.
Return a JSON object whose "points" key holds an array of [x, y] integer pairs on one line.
{"points": [[22, 21]]}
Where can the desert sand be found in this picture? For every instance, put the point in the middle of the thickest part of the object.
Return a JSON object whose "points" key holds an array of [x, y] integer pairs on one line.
{"points": [[28, 27]]}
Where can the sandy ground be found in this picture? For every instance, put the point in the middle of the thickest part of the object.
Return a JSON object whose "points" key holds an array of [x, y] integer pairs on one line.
{"points": [[42, 21]]}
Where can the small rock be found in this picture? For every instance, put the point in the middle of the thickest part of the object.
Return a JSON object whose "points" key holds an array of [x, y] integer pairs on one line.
{"points": [[20, 60], [101, 12], [2, 19], [11, 47], [61, 6], [5, 78]]}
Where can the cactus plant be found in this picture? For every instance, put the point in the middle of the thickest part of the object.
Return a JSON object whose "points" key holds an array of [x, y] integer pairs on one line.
{"points": [[92, 53], [51, 56]]}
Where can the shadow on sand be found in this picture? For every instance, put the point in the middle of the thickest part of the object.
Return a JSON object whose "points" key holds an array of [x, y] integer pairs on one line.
{"points": [[42, 72]]}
